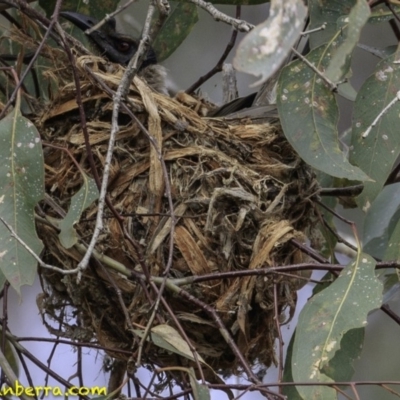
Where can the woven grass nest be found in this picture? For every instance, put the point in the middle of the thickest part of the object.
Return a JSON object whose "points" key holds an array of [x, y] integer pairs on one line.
{"points": [[240, 194]]}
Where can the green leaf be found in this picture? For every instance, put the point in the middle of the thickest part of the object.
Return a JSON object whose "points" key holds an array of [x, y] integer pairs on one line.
{"points": [[290, 391], [327, 247], [381, 13], [376, 153], [200, 392], [323, 283], [340, 368], [326, 12], [391, 283], [347, 91], [95, 9], [176, 28], [86, 195], [351, 26], [309, 115], [377, 52], [392, 252], [3, 280], [378, 219], [10, 355], [324, 320], [263, 50], [22, 187], [168, 338]]}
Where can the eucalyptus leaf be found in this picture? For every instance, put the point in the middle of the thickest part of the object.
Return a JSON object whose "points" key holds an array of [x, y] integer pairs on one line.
{"points": [[382, 13], [264, 49], [309, 114], [351, 26], [326, 13], [22, 187], [377, 220], [176, 28], [168, 338], [200, 391], [324, 321], [86, 195], [375, 147]]}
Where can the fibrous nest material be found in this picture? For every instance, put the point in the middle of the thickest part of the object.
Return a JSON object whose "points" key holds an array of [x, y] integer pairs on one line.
{"points": [[240, 195]]}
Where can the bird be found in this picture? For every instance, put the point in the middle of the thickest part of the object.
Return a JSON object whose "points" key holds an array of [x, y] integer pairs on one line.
{"points": [[120, 48]]}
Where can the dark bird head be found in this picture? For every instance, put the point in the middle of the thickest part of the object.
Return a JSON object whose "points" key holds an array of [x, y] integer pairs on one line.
{"points": [[115, 46]]}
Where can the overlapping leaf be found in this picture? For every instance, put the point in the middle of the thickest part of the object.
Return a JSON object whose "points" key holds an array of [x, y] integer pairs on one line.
{"points": [[327, 13], [86, 195], [351, 26], [177, 27], [325, 319], [263, 50], [21, 187], [379, 218], [381, 13], [309, 114], [376, 153]]}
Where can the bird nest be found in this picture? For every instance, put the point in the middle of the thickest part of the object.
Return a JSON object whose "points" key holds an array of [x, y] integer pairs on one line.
{"points": [[240, 195]]}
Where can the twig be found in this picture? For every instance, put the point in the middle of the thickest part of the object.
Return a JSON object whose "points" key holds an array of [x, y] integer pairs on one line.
{"points": [[395, 15], [390, 390], [53, 20], [39, 364], [380, 115], [309, 251], [386, 309], [333, 86], [237, 24], [338, 237], [108, 17], [123, 87], [280, 338], [222, 329], [343, 191], [5, 327], [320, 28], [186, 338], [9, 373], [333, 212], [45, 23], [33, 254], [220, 63]]}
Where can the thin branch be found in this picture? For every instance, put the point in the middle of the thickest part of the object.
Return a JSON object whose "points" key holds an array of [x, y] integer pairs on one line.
{"points": [[53, 21], [33, 254], [381, 114], [386, 309], [108, 17], [237, 24], [218, 67], [39, 364], [343, 191], [333, 86], [280, 365]]}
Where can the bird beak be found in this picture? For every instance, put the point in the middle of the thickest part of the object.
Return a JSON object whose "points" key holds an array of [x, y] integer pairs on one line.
{"points": [[83, 22], [102, 37]]}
